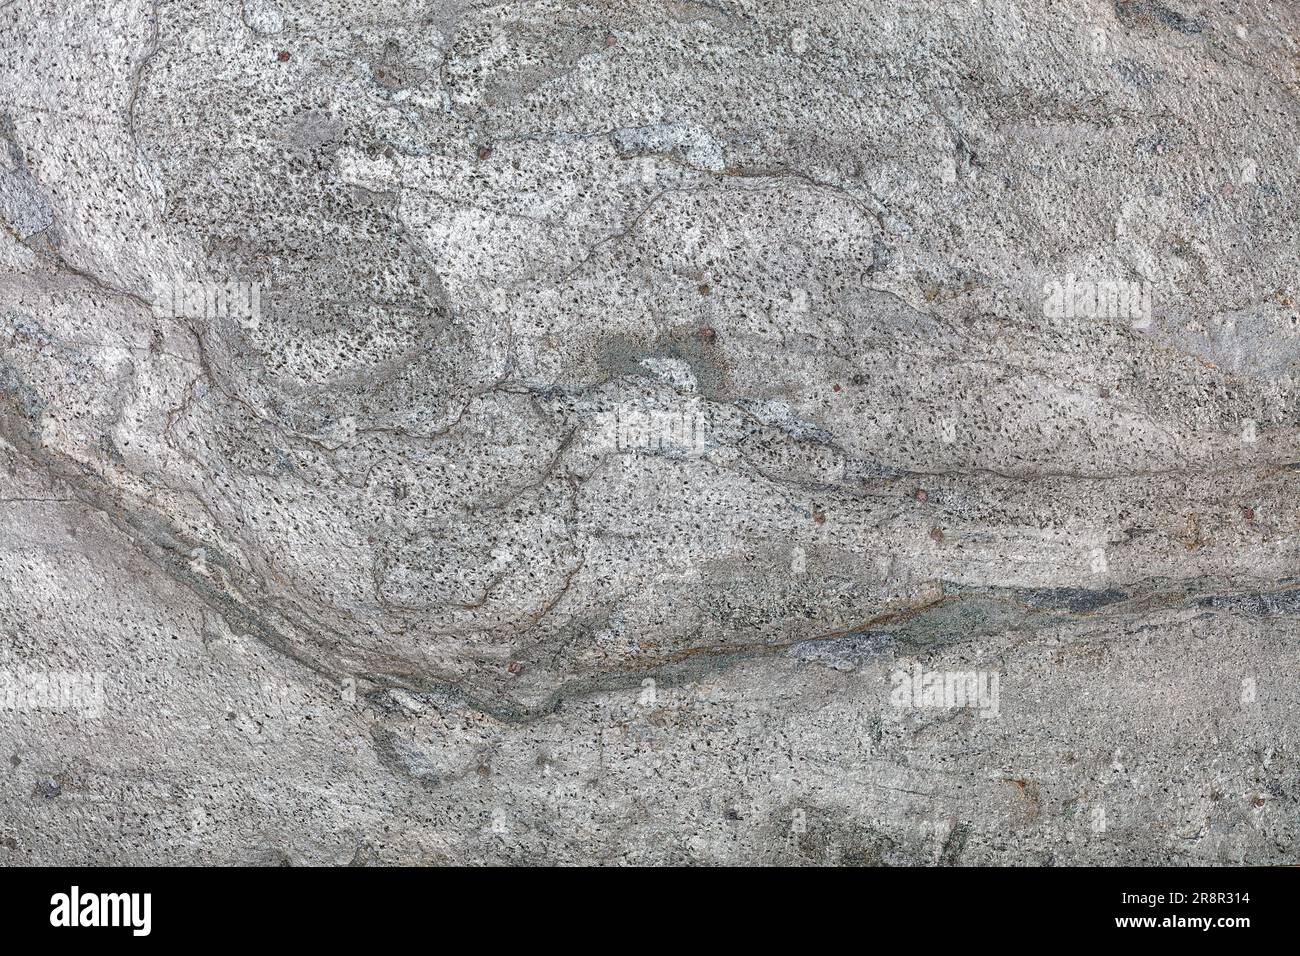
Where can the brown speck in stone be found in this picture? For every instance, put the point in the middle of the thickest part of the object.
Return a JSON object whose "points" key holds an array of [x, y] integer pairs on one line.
{"points": [[1257, 800], [283, 56], [515, 668], [1226, 189], [379, 74], [609, 39], [706, 334], [819, 516], [835, 387], [922, 494], [1248, 513], [703, 288], [484, 770], [936, 534], [484, 152]]}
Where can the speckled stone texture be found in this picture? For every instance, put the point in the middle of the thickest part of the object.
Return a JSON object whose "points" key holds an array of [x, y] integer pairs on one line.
{"points": [[622, 404]]}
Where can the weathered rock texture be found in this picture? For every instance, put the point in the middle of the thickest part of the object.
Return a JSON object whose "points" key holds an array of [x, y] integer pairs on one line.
{"points": [[635, 388]]}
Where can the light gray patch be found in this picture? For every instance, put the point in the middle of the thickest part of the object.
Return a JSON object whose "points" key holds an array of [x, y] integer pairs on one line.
{"points": [[690, 144], [23, 205]]}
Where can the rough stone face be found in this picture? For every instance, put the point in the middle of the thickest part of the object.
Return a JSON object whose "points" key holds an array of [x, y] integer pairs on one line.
{"points": [[441, 432]]}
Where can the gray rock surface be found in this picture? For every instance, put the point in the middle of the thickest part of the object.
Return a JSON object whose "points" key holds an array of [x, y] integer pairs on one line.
{"points": [[449, 432]]}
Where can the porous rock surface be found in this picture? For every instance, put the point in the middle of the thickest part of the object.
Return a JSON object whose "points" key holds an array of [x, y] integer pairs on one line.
{"points": [[420, 565]]}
